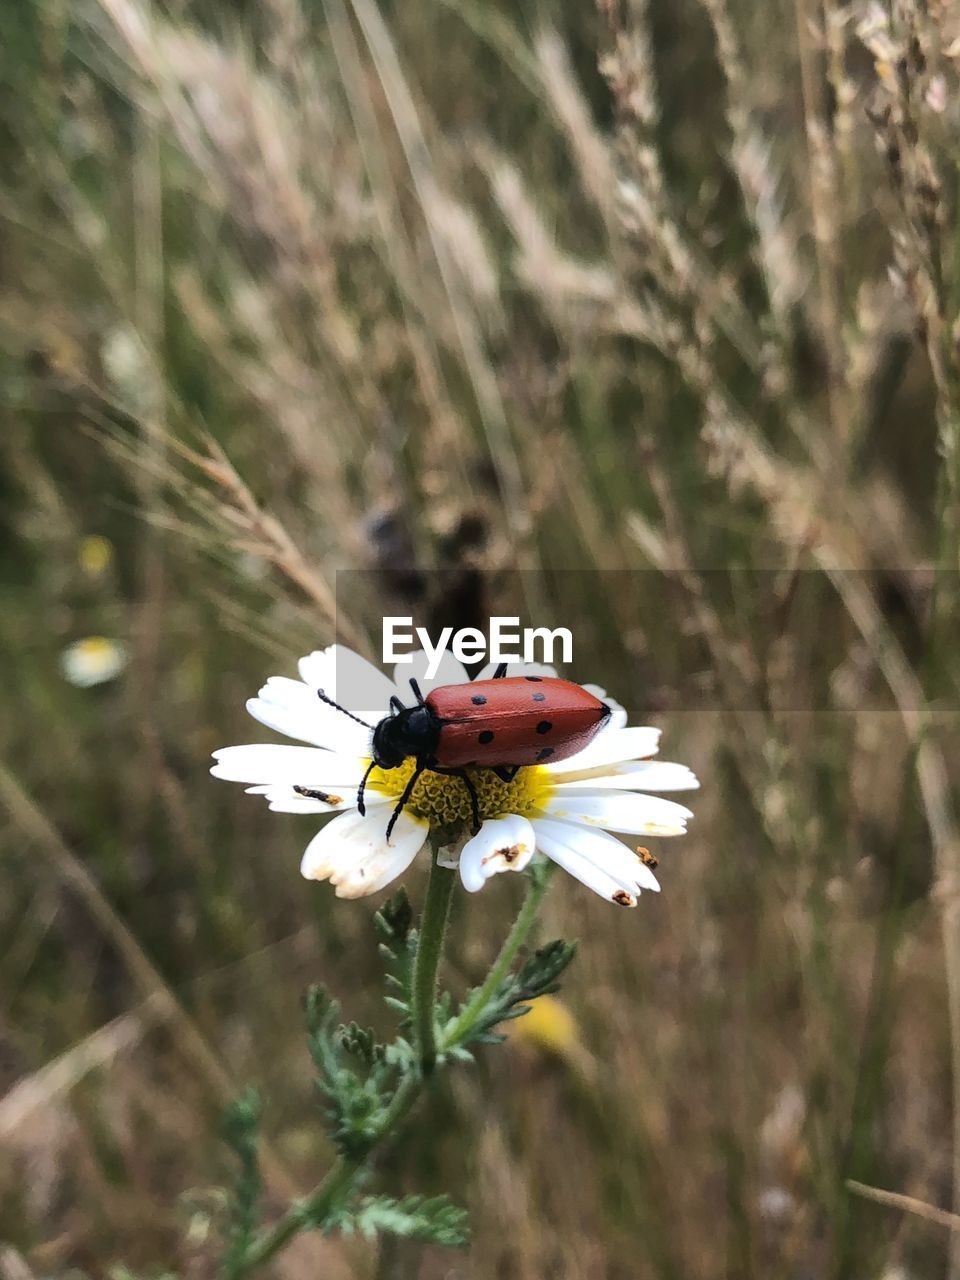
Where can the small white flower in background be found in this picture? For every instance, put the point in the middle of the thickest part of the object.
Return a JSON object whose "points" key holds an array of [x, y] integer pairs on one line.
{"points": [[937, 96], [93, 660], [127, 364], [564, 811], [776, 1204]]}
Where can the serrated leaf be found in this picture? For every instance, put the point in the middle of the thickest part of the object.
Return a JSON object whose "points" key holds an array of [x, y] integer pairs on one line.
{"points": [[357, 1076], [517, 1011], [241, 1122], [320, 1009], [542, 969], [123, 1272], [361, 1042], [394, 922], [395, 918], [436, 1220], [537, 976]]}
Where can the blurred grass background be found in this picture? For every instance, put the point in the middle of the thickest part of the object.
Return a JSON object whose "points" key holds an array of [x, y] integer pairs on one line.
{"points": [[301, 286]]}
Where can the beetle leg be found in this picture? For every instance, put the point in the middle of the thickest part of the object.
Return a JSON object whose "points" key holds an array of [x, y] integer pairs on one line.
{"points": [[467, 782], [414, 685], [506, 772], [500, 672], [396, 706], [361, 806], [472, 791], [405, 796]]}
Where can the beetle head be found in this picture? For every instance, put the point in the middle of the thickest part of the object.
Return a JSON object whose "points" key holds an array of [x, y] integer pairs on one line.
{"points": [[410, 731]]}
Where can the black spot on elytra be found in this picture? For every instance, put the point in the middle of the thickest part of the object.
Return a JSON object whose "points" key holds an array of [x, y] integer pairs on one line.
{"points": [[545, 753], [539, 697], [533, 679], [544, 726], [485, 737], [478, 700]]}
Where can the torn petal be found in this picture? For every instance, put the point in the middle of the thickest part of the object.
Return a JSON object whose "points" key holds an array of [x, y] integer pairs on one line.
{"points": [[501, 844]]}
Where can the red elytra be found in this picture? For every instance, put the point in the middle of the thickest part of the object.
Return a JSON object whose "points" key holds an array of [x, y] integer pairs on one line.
{"points": [[518, 720], [501, 724]]}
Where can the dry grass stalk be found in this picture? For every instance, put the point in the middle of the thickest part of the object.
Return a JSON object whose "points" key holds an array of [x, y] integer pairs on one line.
{"points": [[159, 999]]}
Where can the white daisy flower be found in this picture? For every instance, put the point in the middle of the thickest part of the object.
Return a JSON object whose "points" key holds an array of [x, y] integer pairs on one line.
{"points": [[564, 810], [93, 660]]}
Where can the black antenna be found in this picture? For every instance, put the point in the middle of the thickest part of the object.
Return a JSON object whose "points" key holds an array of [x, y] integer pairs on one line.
{"points": [[330, 703]]}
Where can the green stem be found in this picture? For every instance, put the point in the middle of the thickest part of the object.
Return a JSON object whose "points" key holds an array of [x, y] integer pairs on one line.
{"points": [[338, 1182], [461, 1027], [433, 925]]}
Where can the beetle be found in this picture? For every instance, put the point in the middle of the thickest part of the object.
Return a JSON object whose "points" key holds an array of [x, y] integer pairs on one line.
{"points": [[501, 724]]}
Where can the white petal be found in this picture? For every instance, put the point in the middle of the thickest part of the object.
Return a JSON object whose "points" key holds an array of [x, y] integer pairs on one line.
{"points": [[618, 714], [517, 669], [609, 854], [636, 814], [501, 844], [609, 747], [318, 669], [293, 708], [635, 775], [346, 677], [353, 854], [296, 766], [597, 859], [284, 799], [560, 843], [450, 671]]}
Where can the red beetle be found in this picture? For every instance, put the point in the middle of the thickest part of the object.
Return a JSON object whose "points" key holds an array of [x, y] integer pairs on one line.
{"points": [[501, 724]]}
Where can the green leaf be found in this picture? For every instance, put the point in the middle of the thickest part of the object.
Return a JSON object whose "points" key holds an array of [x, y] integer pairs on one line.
{"points": [[537, 976], [436, 1219], [394, 922], [122, 1272], [322, 1015], [241, 1124], [361, 1042], [395, 918], [356, 1074]]}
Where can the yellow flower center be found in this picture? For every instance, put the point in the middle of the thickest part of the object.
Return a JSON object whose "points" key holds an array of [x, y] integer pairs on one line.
{"points": [[96, 649], [444, 800]]}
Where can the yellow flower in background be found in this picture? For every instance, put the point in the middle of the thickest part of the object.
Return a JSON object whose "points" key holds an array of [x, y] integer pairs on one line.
{"points": [[549, 1025], [93, 660], [550, 1031], [95, 555]]}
